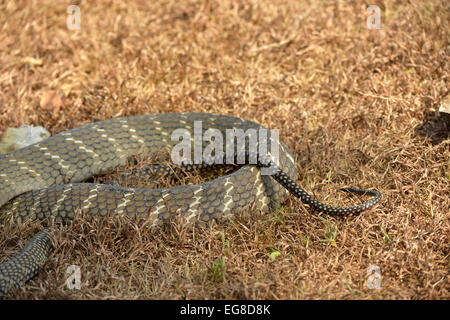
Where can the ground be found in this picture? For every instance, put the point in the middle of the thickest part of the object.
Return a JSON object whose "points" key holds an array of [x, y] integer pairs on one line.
{"points": [[357, 106]]}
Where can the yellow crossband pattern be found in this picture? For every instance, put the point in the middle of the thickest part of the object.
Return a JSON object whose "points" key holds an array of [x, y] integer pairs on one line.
{"points": [[4, 177], [126, 199], [22, 166], [36, 203], [132, 131], [160, 204], [110, 139], [228, 198], [164, 133], [135, 137], [14, 206], [193, 211], [61, 199], [260, 192], [61, 162], [81, 145], [88, 202]]}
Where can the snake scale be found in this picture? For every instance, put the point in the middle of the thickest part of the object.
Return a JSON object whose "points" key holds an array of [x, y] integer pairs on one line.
{"points": [[43, 182]]}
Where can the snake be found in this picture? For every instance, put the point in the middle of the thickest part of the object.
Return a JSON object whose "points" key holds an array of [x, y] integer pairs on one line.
{"points": [[46, 181]]}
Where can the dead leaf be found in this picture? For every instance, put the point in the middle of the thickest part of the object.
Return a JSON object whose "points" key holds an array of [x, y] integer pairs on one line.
{"points": [[52, 100]]}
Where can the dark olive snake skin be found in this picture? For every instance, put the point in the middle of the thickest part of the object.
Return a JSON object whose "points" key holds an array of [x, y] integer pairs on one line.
{"points": [[42, 182]]}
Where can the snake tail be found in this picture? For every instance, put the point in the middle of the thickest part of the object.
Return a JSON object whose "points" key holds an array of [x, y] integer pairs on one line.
{"points": [[300, 193]]}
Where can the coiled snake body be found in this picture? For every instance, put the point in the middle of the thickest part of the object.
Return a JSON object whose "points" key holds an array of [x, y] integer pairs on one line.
{"points": [[42, 181]]}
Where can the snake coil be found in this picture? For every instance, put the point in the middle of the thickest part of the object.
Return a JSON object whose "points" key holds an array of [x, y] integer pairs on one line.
{"points": [[43, 181]]}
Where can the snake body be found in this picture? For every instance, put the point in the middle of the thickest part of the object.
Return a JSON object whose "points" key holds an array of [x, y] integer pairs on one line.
{"points": [[43, 181]]}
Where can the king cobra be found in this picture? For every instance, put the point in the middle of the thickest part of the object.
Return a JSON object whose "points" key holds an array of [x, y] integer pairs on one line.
{"points": [[44, 182]]}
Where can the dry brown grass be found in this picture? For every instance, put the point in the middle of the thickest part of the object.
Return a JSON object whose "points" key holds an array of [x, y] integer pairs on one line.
{"points": [[348, 102]]}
